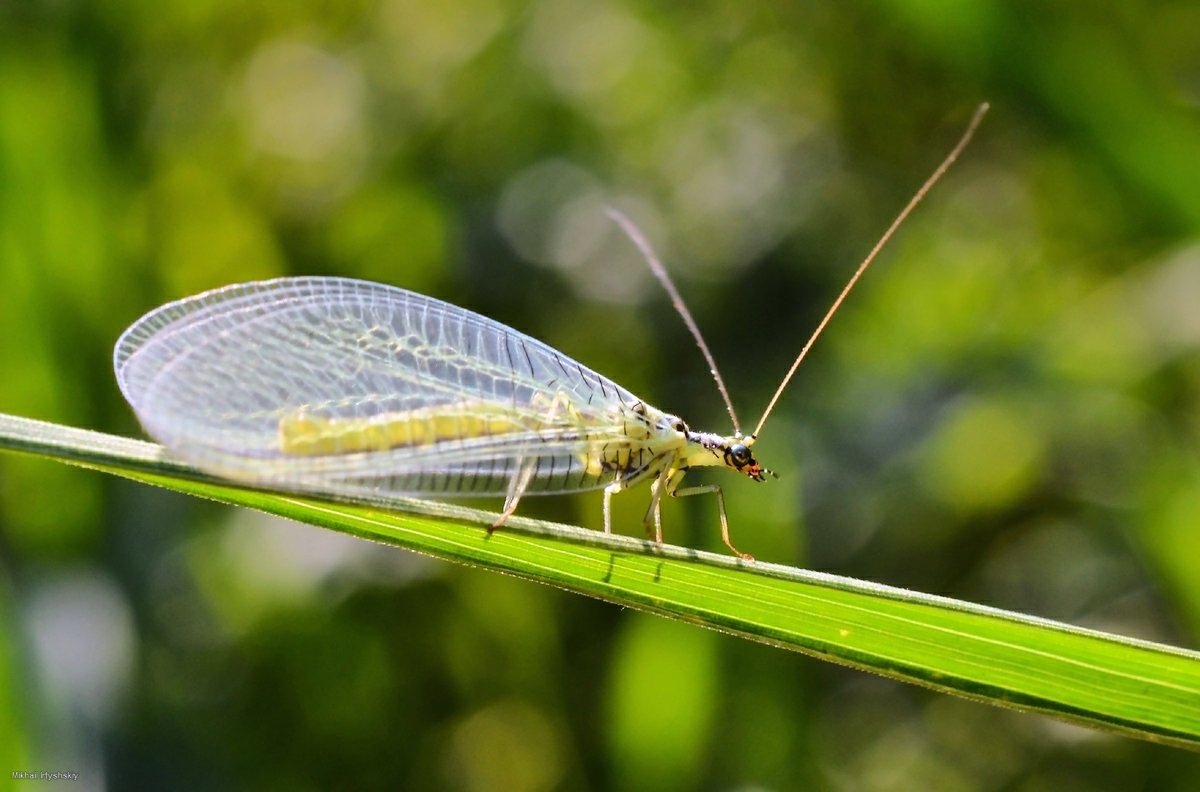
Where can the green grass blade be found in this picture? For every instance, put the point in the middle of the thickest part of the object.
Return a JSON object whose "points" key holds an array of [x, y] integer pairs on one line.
{"points": [[1133, 687]]}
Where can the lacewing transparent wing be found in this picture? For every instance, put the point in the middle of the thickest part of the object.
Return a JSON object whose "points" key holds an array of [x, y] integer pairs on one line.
{"points": [[358, 388], [348, 388]]}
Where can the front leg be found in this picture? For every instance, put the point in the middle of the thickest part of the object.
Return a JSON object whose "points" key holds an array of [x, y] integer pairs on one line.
{"points": [[716, 490]]}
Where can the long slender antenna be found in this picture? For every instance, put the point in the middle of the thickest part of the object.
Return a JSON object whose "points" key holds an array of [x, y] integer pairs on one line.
{"points": [[660, 272], [883, 240]]}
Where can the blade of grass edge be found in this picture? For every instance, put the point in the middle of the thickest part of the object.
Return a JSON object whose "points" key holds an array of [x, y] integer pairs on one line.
{"points": [[1133, 687]]}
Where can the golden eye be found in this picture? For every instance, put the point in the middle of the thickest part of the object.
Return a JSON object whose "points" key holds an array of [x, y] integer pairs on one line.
{"points": [[679, 426], [740, 455]]}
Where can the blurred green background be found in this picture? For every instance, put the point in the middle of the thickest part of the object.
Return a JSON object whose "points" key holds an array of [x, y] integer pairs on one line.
{"points": [[1005, 412]]}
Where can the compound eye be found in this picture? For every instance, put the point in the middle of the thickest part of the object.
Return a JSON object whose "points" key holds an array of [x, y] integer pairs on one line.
{"points": [[740, 455], [678, 425]]}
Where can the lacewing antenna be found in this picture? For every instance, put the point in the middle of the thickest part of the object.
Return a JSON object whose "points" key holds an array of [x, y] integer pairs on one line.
{"points": [[639, 239], [643, 245], [883, 240]]}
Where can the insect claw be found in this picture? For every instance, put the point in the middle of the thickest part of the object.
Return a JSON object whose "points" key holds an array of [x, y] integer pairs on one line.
{"points": [[503, 518]]}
